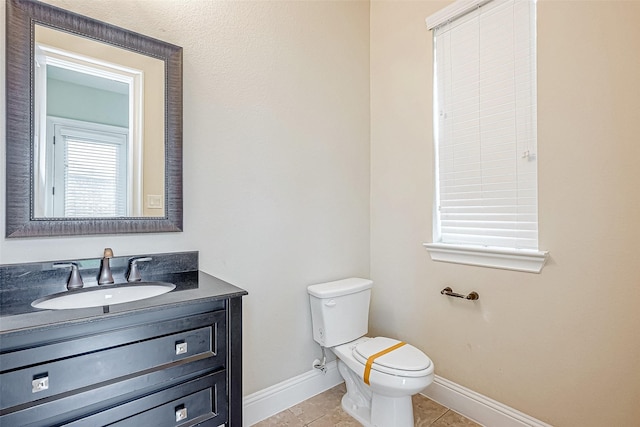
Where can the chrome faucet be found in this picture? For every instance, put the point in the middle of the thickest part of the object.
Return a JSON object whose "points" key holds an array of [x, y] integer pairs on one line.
{"points": [[133, 274], [75, 280], [105, 277]]}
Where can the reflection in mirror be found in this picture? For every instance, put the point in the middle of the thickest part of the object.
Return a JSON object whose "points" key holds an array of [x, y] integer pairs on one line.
{"points": [[93, 129], [98, 129]]}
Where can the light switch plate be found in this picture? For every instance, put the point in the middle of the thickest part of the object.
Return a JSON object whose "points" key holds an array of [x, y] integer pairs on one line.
{"points": [[154, 201]]}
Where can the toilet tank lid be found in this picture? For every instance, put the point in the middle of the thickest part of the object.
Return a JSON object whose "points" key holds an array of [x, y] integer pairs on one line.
{"points": [[339, 287]]}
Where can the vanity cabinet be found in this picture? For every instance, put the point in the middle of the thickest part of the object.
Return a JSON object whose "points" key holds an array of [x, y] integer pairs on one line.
{"points": [[174, 365]]}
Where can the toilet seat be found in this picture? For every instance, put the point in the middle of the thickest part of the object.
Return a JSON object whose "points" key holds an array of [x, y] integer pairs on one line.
{"points": [[406, 361]]}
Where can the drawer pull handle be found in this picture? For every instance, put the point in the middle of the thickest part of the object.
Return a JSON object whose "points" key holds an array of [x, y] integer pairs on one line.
{"points": [[39, 384], [181, 413], [181, 347]]}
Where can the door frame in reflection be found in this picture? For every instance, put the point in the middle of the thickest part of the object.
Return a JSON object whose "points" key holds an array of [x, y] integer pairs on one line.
{"points": [[97, 68]]}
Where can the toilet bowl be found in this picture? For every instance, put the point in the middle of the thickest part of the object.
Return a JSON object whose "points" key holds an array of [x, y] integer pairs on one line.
{"points": [[381, 374], [393, 379]]}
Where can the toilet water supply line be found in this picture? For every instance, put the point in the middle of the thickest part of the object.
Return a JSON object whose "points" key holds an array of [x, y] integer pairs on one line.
{"points": [[322, 366]]}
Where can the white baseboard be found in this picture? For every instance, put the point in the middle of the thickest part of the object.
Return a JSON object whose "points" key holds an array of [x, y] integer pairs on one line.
{"points": [[481, 409], [265, 403], [477, 407]]}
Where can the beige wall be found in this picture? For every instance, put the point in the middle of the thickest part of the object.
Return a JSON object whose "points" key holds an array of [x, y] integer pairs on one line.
{"points": [[276, 159], [277, 193], [562, 346]]}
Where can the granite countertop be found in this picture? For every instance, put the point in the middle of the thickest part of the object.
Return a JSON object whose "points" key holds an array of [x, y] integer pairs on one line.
{"points": [[21, 284], [190, 287]]}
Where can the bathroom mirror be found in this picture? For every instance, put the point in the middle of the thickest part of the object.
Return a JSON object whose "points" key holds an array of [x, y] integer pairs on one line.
{"points": [[94, 126]]}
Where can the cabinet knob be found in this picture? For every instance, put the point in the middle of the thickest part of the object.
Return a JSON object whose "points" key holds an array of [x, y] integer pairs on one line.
{"points": [[181, 413], [39, 384], [181, 347]]}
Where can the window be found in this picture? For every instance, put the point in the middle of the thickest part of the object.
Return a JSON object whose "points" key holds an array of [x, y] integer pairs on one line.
{"points": [[90, 91], [89, 176], [485, 135]]}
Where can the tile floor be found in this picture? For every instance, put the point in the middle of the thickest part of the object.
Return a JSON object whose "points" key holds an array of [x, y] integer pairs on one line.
{"points": [[324, 410]]}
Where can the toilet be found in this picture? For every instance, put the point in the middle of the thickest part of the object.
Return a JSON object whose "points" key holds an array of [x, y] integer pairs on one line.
{"points": [[381, 374]]}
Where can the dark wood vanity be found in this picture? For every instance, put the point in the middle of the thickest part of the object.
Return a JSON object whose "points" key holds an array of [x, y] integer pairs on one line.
{"points": [[171, 360], [174, 359]]}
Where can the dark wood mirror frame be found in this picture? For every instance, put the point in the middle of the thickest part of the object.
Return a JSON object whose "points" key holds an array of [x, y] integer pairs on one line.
{"points": [[22, 16]]}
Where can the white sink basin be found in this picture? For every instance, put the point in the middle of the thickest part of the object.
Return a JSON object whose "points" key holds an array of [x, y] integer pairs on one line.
{"points": [[103, 295]]}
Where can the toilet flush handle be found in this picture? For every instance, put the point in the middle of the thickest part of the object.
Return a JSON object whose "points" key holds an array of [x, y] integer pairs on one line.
{"points": [[331, 303]]}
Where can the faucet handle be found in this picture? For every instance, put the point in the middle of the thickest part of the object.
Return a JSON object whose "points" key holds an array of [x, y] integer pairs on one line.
{"points": [[75, 280], [133, 274]]}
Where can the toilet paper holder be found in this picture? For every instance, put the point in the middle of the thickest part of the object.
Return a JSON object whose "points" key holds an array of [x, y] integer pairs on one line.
{"points": [[449, 292]]}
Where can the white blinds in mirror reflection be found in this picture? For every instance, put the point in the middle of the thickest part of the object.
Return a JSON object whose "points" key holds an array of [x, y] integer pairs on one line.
{"points": [[94, 179], [485, 120]]}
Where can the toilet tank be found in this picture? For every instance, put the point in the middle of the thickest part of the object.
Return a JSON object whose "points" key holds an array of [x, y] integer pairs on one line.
{"points": [[340, 310]]}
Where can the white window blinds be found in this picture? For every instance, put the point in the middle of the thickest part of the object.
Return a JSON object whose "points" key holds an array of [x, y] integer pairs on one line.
{"points": [[94, 179], [485, 127], [89, 177]]}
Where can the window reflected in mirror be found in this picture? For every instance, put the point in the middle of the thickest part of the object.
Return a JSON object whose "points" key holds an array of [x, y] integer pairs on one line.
{"points": [[99, 142]]}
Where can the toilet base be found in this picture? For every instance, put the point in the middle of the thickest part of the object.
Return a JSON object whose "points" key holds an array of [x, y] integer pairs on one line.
{"points": [[360, 413], [388, 414], [357, 400], [391, 411], [372, 409]]}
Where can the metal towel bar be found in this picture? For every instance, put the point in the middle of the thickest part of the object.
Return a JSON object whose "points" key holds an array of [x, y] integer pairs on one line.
{"points": [[449, 292]]}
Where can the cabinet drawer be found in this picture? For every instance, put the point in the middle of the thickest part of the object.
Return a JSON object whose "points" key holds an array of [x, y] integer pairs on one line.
{"points": [[195, 401], [59, 409], [46, 351], [90, 369]]}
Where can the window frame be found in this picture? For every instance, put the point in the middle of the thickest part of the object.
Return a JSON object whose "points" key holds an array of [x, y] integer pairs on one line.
{"points": [[508, 258], [61, 128]]}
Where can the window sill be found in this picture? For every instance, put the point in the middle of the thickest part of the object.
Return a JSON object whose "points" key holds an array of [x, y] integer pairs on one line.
{"points": [[526, 260]]}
